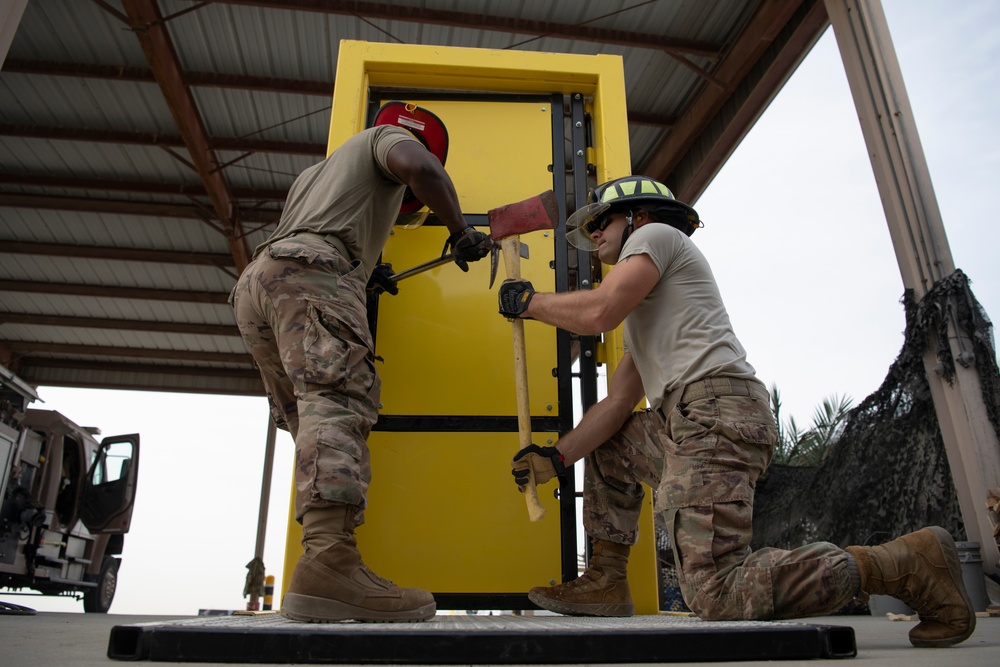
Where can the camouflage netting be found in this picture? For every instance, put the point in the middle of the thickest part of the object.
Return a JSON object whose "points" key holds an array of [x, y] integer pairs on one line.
{"points": [[887, 473]]}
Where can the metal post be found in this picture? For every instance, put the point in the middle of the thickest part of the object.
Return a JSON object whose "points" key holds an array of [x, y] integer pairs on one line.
{"points": [[922, 249], [256, 582], [265, 488]]}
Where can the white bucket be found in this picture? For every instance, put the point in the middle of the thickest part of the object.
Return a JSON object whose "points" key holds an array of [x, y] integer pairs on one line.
{"points": [[971, 559]]}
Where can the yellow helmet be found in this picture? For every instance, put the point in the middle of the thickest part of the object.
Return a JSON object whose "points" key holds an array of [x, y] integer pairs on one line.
{"points": [[623, 194]]}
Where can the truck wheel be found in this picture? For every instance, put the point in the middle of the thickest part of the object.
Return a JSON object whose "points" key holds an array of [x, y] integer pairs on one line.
{"points": [[98, 600]]}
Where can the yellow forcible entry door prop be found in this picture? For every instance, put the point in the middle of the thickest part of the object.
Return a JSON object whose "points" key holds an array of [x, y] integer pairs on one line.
{"points": [[443, 511]]}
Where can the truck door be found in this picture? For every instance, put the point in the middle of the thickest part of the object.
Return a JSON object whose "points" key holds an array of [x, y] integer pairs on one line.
{"points": [[109, 489]]}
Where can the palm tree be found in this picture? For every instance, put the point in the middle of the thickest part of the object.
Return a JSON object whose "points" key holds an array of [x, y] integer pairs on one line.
{"points": [[797, 447]]}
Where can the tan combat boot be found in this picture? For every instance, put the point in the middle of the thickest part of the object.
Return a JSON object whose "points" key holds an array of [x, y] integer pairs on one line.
{"points": [[921, 569], [331, 583], [602, 590]]}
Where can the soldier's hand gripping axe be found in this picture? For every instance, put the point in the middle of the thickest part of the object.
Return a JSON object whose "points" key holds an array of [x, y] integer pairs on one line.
{"points": [[507, 223]]}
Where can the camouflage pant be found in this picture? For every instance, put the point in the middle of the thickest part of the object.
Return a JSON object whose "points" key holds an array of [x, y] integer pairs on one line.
{"points": [[704, 460], [300, 307]]}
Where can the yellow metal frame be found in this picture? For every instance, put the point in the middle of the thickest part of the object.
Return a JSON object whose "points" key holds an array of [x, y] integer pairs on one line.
{"points": [[362, 66]]}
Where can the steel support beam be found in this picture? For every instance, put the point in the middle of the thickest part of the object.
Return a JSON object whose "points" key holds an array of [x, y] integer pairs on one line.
{"points": [[157, 139], [154, 37], [115, 253], [206, 80], [145, 376], [196, 329], [114, 292], [145, 75], [189, 190], [131, 208], [25, 348], [147, 369], [922, 250], [508, 24], [756, 37], [709, 161]]}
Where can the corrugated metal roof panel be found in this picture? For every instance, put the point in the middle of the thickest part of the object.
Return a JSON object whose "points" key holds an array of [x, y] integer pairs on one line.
{"points": [[68, 30], [270, 171], [259, 115], [104, 161], [116, 309], [261, 42], [104, 273], [112, 230], [140, 340], [97, 104]]}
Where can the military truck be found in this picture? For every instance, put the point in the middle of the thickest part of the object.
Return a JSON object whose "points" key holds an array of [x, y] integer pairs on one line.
{"points": [[66, 501]]}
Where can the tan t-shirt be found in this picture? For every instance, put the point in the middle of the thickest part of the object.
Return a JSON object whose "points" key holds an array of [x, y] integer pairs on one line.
{"points": [[351, 195], [681, 331]]}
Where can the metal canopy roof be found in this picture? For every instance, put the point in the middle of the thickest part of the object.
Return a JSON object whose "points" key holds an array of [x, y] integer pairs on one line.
{"points": [[146, 147]]}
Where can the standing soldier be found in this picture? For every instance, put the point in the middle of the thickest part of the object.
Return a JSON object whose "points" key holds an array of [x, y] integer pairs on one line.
{"points": [[301, 308]]}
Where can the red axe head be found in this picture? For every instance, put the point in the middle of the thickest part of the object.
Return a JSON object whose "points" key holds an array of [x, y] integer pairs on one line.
{"points": [[538, 212]]}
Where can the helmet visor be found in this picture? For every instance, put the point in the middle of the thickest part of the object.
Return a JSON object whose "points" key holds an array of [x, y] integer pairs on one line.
{"points": [[583, 223]]}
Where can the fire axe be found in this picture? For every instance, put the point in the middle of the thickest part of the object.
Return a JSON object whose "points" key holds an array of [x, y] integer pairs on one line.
{"points": [[507, 223]]}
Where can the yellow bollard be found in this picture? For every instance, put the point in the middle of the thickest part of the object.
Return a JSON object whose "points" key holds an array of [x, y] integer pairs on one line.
{"points": [[268, 591]]}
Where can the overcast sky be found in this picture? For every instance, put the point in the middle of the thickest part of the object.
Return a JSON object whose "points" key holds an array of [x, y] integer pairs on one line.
{"points": [[798, 242], [794, 225]]}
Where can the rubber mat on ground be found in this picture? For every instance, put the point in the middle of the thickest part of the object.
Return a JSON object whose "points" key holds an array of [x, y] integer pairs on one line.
{"points": [[478, 640]]}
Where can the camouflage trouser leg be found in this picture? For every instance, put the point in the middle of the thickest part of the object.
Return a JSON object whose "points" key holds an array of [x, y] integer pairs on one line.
{"points": [[704, 463], [716, 449], [300, 308], [613, 476]]}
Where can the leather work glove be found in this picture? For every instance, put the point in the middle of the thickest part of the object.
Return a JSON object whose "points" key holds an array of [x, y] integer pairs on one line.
{"points": [[542, 462], [382, 280], [514, 297], [468, 245]]}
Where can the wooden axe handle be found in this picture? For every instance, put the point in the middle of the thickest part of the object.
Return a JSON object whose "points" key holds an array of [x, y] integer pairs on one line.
{"points": [[511, 247]]}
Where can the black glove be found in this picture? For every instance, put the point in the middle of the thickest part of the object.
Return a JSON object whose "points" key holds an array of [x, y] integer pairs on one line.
{"points": [[468, 245], [382, 280], [514, 297], [543, 463]]}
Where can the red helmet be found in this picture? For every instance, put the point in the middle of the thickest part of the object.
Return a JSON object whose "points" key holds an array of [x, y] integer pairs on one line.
{"points": [[422, 124]]}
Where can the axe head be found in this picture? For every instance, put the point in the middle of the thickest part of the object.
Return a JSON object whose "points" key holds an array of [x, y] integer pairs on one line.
{"points": [[538, 212]]}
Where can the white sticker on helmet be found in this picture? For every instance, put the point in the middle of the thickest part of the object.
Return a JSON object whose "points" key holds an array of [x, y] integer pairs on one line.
{"points": [[412, 122]]}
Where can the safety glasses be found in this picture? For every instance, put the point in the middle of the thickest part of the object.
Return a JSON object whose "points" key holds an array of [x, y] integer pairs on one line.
{"points": [[597, 225]]}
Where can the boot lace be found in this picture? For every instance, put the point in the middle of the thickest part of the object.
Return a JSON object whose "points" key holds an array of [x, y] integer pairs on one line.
{"points": [[590, 577], [382, 580]]}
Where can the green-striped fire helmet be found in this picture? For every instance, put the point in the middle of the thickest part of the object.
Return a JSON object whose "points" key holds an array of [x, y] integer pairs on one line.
{"points": [[630, 193]]}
